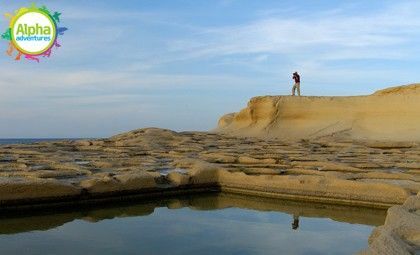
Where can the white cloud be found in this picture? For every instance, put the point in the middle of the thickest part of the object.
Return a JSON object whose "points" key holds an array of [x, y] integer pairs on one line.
{"points": [[98, 69], [312, 36]]}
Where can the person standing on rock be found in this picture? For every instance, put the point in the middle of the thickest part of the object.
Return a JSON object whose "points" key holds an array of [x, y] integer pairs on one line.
{"points": [[296, 77]]}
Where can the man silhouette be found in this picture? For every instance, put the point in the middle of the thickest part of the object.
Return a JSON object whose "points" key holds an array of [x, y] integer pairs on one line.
{"points": [[296, 77], [295, 224]]}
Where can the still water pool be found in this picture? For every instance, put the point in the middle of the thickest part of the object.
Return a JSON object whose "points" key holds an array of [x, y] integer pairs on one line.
{"points": [[205, 224]]}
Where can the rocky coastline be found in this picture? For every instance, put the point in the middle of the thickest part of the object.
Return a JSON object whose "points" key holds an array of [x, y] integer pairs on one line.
{"points": [[156, 162], [311, 149]]}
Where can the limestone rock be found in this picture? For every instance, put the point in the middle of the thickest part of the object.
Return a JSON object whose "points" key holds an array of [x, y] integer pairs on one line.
{"points": [[119, 183], [34, 188], [401, 232], [375, 117]]}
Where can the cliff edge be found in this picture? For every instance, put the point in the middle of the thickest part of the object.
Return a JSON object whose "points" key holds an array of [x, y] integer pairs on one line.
{"points": [[389, 114]]}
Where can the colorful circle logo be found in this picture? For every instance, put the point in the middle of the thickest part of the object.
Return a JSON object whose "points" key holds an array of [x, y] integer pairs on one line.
{"points": [[33, 32]]}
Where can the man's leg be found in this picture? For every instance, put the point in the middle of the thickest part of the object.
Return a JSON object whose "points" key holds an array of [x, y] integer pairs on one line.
{"points": [[298, 88], [293, 90]]}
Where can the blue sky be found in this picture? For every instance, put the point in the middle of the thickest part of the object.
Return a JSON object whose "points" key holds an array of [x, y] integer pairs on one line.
{"points": [[182, 64]]}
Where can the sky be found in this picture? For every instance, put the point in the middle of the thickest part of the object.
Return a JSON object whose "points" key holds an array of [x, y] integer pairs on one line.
{"points": [[181, 64]]}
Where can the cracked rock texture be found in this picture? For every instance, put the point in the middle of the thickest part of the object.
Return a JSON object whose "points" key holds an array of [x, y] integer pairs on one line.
{"points": [[401, 232], [344, 159], [328, 168]]}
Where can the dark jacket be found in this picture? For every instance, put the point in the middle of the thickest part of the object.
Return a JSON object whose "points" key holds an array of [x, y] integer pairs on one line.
{"points": [[296, 77]]}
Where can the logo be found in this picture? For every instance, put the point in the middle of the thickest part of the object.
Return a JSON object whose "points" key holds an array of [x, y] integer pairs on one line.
{"points": [[33, 32]]}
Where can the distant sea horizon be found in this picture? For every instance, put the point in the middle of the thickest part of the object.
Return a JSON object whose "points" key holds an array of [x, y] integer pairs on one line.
{"points": [[33, 140]]}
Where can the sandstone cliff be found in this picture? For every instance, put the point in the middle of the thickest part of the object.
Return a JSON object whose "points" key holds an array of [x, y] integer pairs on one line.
{"points": [[389, 114]]}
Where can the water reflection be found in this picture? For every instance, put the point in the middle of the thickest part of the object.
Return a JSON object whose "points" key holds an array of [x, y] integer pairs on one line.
{"points": [[295, 223], [204, 224]]}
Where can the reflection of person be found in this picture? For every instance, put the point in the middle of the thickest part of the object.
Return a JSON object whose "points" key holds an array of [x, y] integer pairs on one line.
{"points": [[295, 224], [296, 77]]}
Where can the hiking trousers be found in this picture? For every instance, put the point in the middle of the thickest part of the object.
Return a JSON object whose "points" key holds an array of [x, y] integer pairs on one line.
{"points": [[296, 87]]}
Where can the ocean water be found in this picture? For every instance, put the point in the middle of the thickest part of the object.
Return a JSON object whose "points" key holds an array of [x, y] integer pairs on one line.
{"points": [[213, 224], [31, 140]]}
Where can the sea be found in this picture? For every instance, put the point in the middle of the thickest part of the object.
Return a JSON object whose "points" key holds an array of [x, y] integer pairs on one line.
{"points": [[32, 140]]}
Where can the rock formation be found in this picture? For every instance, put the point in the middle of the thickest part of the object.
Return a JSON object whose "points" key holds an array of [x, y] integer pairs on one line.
{"points": [[389, 114], [361, 151], [375, 174]]}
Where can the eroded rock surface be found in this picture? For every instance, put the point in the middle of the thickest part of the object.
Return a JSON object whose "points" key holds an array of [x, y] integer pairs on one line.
{"points": [[401, 232], [330, 169], [157, 158], [389, 114]]}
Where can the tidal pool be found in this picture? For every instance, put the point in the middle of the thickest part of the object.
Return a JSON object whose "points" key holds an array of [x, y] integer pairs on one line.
{"points": [[199, 224]]}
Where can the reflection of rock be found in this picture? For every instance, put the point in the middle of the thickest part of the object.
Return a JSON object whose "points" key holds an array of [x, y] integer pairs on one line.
{"points": [[140, 209], [334, 168], [11, 225], [354, 215], [39, 220]]}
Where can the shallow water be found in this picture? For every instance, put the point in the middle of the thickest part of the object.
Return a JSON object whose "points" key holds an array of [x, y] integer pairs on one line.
{"points": [[205, 224]]}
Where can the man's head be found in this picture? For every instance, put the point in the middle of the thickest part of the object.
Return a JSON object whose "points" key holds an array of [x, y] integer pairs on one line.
{"points": [[295, 72]]}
